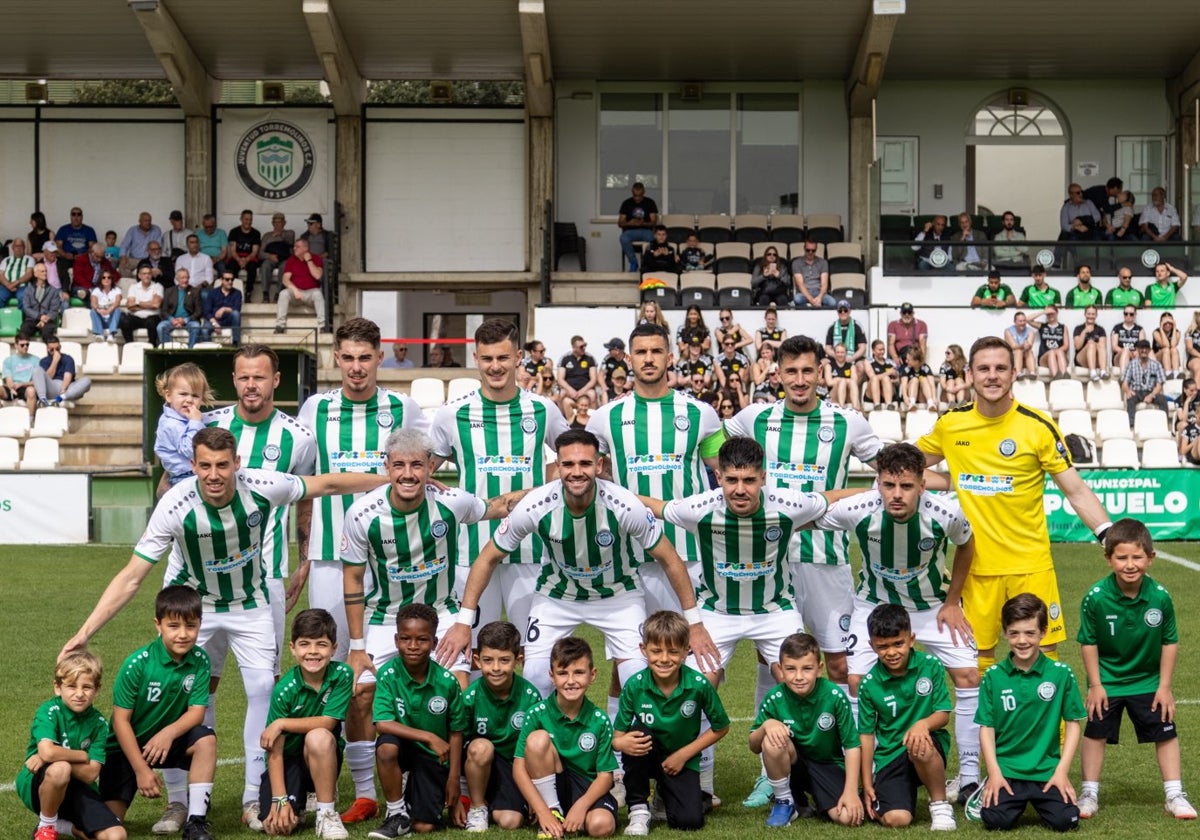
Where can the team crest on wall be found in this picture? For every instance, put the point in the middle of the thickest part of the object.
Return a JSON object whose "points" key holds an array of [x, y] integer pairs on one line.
{"points": [[275, 160]]}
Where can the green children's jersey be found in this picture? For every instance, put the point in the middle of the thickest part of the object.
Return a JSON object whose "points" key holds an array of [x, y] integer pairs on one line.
{"points": [[55, 722], [1123, 297], [1078, 298], [1025, 709], [157, 690], [294, 698], [673, 722], [433, 705], [1129, 634], [499, 720], [1162, 296], [821, 723], [584, 742], [1036, 298], [889, 706]]}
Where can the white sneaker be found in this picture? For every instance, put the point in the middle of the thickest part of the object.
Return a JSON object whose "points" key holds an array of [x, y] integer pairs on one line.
{"points": [[618, 792], [941, 816], [639, 822], [172, 820], [329, 825], [477, 820], [250, 816], [1088, 804], [1179, 807]]}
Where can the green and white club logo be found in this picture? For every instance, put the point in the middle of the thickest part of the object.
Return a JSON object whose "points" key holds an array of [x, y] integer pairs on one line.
{"points": [[275, 160]]}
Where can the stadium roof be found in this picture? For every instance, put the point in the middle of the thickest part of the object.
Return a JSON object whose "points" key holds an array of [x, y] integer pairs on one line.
{"points": [[708, 40]]}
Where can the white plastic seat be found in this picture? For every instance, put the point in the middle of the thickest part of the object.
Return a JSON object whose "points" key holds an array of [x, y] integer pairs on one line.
{"points": [[460, 386], [14, 421], [428, 391], [207, 345], [101, 358], [133, 358], [76, 322], [886, 424], [917, 424], [50, 421], [1119, 453], [858, 468], [1066, 394], [1076, 421], [73, 349], [41, 454], [1031, 393], [1113, 423], [5, 350], [1151, 424], [37, 348], [10, 453], [1158, 454], [1102, 395]]}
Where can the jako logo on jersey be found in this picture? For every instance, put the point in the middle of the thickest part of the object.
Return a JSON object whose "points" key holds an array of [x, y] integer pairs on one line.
{"points": [[271, 452], [528, 425], [825, 434], [437, 705], [438, 529], [587, 742], [927, 544], [924, 686], [773, 534], [825, 721], [1046, 690], [1007, 447], [604, 538], [1153, 617]]}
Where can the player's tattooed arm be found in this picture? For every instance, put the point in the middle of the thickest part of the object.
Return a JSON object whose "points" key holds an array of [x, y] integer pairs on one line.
{"points": [[354, 599]]}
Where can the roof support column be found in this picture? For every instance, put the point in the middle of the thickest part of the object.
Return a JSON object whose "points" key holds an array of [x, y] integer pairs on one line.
{"points": [[539, 124], [862, 87]]}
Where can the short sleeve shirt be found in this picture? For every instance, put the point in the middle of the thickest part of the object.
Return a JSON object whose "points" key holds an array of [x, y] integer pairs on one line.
{"points": [[433, 705], [889, 705], [1161, 296], [906, 335], [499, 720], [1128, 336], [212, 243], [1078, 298], [1051, 336], [55, 722], [821, 724], [292, 697], [631, 209], [65, 365], [157, 690], [1001, 293], [1098, 334], [578, 369], [583, 743], [243, 241], [1123, 297], [1036, 298], [673, 721], [1129, 634]]}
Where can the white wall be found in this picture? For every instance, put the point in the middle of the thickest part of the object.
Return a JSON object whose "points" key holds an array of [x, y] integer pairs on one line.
{"points": [[16, 178]]}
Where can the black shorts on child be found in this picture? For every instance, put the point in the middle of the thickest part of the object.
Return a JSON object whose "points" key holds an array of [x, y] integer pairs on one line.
{"points": [[501, 793], [425, 792], [823, 780], [896, 784], [680, 793], [118, 781], [1148, 724], [571, 787], [81, 804], [297, 783]]}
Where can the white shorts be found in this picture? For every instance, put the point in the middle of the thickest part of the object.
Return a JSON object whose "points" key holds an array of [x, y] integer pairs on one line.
{"points": [[658, 591], [512, 584], [767, 631], [277, 587], [618, 617], [249, 633], [860, 658], [381, 646], [325, 593], [825, 598]]}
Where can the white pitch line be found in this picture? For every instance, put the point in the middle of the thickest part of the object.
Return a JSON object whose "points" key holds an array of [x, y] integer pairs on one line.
{"points": [[1174, 558]]}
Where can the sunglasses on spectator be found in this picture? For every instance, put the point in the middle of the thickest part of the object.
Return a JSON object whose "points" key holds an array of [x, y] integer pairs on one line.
{"points": [[1130, 312], [810, 250], [22, 344], [726, 318]]}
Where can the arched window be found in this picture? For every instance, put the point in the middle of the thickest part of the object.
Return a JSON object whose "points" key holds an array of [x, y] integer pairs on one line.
{"points": [[1016, 116]]}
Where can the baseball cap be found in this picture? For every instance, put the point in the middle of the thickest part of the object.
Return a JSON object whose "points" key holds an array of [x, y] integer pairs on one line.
{"points": [[49, 247], [175, 216], [614, 343], [773, 368], [315, 217], [906, 308], [843, 304]]}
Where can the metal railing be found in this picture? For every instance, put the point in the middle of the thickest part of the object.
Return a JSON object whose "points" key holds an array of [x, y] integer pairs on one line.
{"points": [[1018, 258]]}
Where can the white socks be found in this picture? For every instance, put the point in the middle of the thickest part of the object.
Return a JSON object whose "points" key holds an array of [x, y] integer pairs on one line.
{"points": [[198, 798], [259, 683], [548, 790], [966, 733], [360, 758], [782, 788]]}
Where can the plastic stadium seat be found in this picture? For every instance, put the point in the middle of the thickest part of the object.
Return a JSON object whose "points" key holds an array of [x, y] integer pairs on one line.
{"points": [[917, 424], [72, 348], [10, 453], [715, 228], [858, 468], [703, 296], [207, 345], [787, 228], [50, 421], [41, 454], [37, 348], [733, 256], [133, 358], [1151, 424], [668, 278], [76, 323], [750, 227], [5, 350], [760, 248], [700, 279], [824, 227], [1102, 395], [1066, 394], [886, 424], [852, 287], [1160, 454], [1112, 423], [101, 358], [14, 421], [678, 225], [844, 257], [460, 386], [428, 391], [734, 297], [1030, 393], [1076, 421], [1118, 453], [667, 297]]}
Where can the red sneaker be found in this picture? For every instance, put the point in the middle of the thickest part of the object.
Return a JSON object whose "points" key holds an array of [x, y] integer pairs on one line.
{"points": [[362, 809], [45, 832]]}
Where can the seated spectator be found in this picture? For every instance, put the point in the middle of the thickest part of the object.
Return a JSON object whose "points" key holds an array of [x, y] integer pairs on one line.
{"points": [[223, 309], [934, 255], [181, 308], [1193, 346], [771, 388], [399, 359], [136, 244], [15, 271], [955, 390], [581, 412], [698, 387], [904, 332], [315, 235], [199, 266], [1052, 343], [811, 276], [535, 365], [1039, 294], [1161, 293], [881, 376], [993, 294], [1142, 382], [245, 243], [60, 284], [918, 385], [577, 374], [1089, 338], [1084, 293], [1118, 222], [18, 369], [276, 248], [1123, 294], [614, 362], [620, 384], [1079, 219], [1019, 337], [1187, 429], [693, 331], [1124, 338], [762, 364], [735, 388], [54, 379], [660, 254], [636, 218], [441, 356], [967, 256], [841, 378], [770, 281], [545, 385], [727, 406], [651, 313], [74, 239], [1166, 345], [39, 233], [694, 258], [730, 328], [1004, 253], [692, 363], [41, 305], [731, 362], [112, 249], [845, 330], [1159, 221], [106, 305], [89, 266], [214, 242], [302, 275], [142, 301], [162, 267], [770, 332], [174, 239], [1105, 197]]}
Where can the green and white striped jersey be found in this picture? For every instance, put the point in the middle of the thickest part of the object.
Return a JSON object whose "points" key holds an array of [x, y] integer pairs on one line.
{"points": [[411, 555], [743, 559], [654, 446], [903, 562], [499, 447], [279, 444], [809, 452], [591, 555], [350, 437], [218, 551]]}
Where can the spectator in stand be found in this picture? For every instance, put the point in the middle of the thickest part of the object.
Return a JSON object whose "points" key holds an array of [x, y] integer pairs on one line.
{"points": [[135, 246], [1083, 293], [811, 274], [175, 237], [613, 362], [1039, 294], [54, 378], [918, 385], [729, 328], [302, 275], [545, 385], [1166, 346], [735, 389], [181, 308], [762, 365], [88, 268], [693, 331], [1142, 382], [967, 256], [106, 305], [162, 268], [841, 378], [441, 356], [694, 258], [1187, 428], [728, 404], [1161, 293], [694, 362], [39, 233], [1089, 345], [993, 294], [1126, 333], [1123, 294], [770, 281], [698, 387], [660, 254], [934, 255], [15, 271], [1193, 346], [906, 331], [198, 264], [1005, 254], [846, 331], [955, 390], [223, 309], [534, 366], [577, 374], [1019, 337], [74, 239], [18, 370], [619, 385], [1052, 343], [1105, 197], [316, 236], [770, 332], [244, 244], [581, 412], [771, 390], [636, 218], [1118, 222], [1079, 219], [276, 247], [142, 301], [730, 363], [651, 313], [112, 249], [50, 260], [214, 242], [881, 376], [1159, 221], [399, 359], [41, 305]]}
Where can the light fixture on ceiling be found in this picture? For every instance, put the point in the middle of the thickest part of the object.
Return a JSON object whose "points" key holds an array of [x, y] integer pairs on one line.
{"points": [[144, 5], [441, 93], [889, 7]]}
